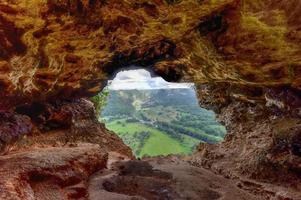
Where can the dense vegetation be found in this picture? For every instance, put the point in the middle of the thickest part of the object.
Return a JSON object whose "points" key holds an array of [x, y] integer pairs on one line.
{"points": [[100, 100], [160, 122]]}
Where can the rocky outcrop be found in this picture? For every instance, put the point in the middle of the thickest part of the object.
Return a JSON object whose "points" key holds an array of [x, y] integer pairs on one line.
{"points": [[86, 172], [66, 49], [49, 173], [244, 56], [72, 46], [262, 141], [162, 178], [66, 122], [12, 127]]}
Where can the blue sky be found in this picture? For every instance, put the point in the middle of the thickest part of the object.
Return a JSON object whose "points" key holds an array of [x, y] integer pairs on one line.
{"points": [[141, 79]]}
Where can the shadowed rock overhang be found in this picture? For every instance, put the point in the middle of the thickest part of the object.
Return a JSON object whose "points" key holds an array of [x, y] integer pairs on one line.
{"points": [[67, 49]]}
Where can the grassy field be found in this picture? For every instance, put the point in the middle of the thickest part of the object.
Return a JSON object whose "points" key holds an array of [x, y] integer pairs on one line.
{"points": [[159, 143], [160, 122]]}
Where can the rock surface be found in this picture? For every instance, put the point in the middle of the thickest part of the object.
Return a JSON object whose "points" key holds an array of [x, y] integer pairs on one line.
{"points": [[12, 127], [70, 47], [64, 49], [263, 131], [49, 173], [244, 56], [163, 179], [67, 122], [86, 172], [173, 178]]}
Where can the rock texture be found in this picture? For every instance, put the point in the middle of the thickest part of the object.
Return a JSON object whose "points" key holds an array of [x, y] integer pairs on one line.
{"points": [[49, 173], [13, 126], [86, 172], [64, 49], [259, 145], [263, 131], [66, 122], [244, 56], [162, 178], [70, 47]]}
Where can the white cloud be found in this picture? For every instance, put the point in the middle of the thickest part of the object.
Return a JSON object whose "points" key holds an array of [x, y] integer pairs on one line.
{"points": [[141, 79], [139, 74]]}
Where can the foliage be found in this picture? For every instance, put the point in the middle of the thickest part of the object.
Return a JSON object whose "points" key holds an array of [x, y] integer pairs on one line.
{"points": [[161, 122], [100, 101], [119, 103]]}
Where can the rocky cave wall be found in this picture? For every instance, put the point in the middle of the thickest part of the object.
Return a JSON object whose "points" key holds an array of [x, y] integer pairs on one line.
{"points": [[244, 56], [66, 49]]}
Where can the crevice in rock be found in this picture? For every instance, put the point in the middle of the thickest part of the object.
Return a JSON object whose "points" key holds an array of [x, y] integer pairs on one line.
{"points": [[10, 39], [151, 54]]}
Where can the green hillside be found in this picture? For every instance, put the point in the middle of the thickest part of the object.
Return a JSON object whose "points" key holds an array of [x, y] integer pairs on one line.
{"points": [[145, 140], [160, 122]]}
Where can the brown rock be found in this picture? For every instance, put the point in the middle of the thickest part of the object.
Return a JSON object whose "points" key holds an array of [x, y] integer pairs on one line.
{"points": [[223, 41], [164, 178], [48, 70], [49, 173], [53, 52], [12, 127], [68, 122]]}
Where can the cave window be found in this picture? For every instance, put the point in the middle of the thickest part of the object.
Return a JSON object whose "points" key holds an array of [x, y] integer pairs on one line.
{"points": [[155, 117]]}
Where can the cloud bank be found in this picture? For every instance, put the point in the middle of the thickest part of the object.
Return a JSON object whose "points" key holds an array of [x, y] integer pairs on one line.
{"points": [[140, 79]]}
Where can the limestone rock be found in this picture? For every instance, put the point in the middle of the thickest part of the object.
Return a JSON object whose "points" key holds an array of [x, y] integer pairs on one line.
{"points": [[49, 173], [68, 122], [243, 55], [12, 127]]}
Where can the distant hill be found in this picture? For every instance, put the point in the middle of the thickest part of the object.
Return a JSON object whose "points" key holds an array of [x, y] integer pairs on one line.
{"points": [[160, 122], [128, 101]]}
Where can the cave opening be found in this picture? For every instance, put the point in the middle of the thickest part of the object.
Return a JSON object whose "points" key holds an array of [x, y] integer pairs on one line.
{"points": [[155, 117]]}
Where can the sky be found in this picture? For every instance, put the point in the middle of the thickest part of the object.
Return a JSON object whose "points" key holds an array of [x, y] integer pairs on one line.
{"points": [[141, 79]]}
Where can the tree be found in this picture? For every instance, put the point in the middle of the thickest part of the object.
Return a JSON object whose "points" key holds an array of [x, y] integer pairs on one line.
{"points": [[100, 100]]}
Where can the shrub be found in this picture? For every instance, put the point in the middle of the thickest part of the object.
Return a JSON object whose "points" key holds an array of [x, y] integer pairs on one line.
{"points": [[100, 101]]}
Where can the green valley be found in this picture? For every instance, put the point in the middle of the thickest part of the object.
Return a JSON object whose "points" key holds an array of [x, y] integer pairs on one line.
{"points": [[160, 122]]}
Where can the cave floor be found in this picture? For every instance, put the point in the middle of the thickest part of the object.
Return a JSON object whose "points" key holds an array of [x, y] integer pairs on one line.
{"points": [[167, 180], [172, 178], [86, 172]]}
